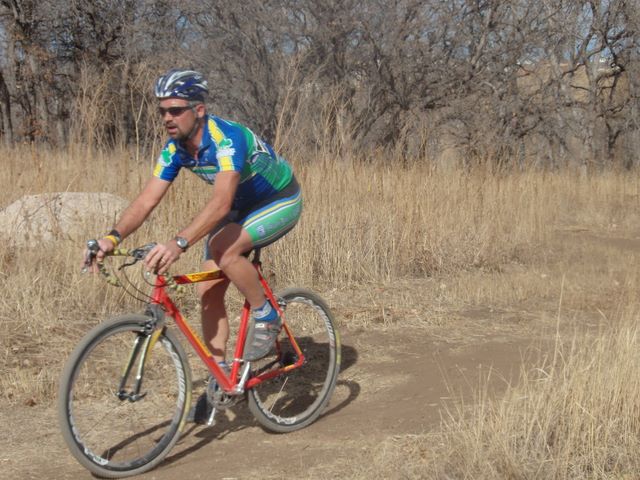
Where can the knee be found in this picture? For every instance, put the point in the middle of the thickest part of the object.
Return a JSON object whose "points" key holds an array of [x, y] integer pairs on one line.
{"points": [[225, 259]]}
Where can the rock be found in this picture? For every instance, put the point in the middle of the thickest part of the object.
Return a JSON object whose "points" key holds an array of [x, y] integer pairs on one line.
{"points": [[62, 215]]}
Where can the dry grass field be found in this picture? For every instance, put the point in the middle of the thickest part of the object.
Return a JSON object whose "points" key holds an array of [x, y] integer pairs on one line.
{"points": [[413, 259]]}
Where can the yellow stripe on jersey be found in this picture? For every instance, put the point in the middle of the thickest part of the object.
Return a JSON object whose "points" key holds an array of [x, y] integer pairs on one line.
{"points": [[226, 164], [216, 133], [164, 160]]}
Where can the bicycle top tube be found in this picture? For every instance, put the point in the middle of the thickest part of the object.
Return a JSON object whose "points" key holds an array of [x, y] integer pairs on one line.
{"points": [[196, 277]]}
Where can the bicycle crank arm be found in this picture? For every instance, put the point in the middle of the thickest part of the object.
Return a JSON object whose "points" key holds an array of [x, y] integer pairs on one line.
{"points": [[212, 418]]}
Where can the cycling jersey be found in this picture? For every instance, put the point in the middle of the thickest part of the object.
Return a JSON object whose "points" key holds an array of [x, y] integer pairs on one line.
{"points": [[229, 147]]}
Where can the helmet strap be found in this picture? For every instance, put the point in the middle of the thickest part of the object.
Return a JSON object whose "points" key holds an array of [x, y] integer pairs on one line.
{"points": [[199, 121]]}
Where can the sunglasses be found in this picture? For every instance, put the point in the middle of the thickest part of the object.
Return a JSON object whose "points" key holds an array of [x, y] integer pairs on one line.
{"points": [[173, 111]]}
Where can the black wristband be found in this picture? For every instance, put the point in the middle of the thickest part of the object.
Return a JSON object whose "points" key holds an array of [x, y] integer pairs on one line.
{"points": [[116, 234]]}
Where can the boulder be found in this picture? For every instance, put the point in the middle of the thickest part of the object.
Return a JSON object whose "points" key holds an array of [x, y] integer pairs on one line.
{"points": [[62, 215]]}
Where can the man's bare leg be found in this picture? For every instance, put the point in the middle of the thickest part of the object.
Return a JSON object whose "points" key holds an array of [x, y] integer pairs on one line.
{"points": [[215, 323], [227, 248]]}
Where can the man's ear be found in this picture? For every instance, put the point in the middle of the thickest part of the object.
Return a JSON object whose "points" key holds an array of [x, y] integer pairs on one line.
{"points": [[200, 110]]}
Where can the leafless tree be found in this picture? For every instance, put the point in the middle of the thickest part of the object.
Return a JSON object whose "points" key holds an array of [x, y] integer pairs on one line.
{"points": [[500, 80]]}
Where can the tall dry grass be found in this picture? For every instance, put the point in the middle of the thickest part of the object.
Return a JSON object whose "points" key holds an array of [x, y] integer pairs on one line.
{"points": [[370, 222], [363, 222], [576, 415]]}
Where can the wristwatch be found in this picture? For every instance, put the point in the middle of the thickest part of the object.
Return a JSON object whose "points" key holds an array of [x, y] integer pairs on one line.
{"points": [[182, 242]]}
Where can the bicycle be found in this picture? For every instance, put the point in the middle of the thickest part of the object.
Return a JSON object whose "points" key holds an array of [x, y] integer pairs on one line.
{"points": [[125, 390]]}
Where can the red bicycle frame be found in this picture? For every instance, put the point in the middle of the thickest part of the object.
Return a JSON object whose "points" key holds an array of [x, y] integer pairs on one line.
{"points": [[231, 384]]}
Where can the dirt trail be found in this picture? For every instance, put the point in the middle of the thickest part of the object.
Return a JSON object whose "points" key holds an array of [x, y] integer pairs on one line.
{"points": [[393, 382]]}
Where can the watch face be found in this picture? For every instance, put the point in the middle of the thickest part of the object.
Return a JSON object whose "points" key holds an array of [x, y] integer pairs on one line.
{"points": [[182, 242]]}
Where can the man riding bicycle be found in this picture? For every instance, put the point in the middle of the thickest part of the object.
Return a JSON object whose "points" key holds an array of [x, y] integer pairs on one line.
{"points": [[255, 200]]}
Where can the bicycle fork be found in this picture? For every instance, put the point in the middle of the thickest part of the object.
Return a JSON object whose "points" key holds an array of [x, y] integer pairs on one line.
{"points": [[140, 353], [138, 358]]}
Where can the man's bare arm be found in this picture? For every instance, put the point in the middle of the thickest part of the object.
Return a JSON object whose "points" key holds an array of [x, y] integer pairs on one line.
{"points": [[140, 208], [224, 190], [218, 206]]}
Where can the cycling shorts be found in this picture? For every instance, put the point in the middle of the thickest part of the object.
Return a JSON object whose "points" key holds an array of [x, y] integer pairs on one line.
{"points": [[268, 220]]}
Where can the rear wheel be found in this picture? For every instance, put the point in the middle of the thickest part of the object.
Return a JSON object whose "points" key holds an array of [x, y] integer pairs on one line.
{"points": [[114, 429], [293, 400]]}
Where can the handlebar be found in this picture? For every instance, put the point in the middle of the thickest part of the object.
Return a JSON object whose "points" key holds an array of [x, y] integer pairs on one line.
{"points": [[136, 255]]}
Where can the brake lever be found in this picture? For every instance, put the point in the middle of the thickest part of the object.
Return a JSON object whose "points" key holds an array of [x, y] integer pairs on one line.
{"points": [[138, 254], [93, 248], [141, 252]]}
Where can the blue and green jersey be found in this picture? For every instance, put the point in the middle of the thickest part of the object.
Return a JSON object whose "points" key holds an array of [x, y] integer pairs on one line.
{"points": [[229, 147]]}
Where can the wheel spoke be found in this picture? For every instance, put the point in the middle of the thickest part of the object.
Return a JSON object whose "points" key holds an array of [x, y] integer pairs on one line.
{"points": [[279, 393]]}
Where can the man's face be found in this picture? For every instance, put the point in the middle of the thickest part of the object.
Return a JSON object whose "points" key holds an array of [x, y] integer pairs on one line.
{"points": [[179, 117]]}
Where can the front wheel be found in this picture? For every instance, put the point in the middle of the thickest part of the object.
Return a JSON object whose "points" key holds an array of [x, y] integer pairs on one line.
{"points": [[123, 397], [294, 399]]}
